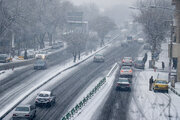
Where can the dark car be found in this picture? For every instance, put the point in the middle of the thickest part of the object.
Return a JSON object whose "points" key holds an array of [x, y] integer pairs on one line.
{"points": [[123, 84], [40, 64], [139, 64], [4, 58]]}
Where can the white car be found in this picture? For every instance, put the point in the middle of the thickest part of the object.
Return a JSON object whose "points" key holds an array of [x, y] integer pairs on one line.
{"points": [[45, 98], [24, 112], [41, 55], [98, 58]]}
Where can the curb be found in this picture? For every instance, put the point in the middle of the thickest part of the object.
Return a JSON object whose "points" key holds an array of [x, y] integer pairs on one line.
{"points": [[76, 109]]}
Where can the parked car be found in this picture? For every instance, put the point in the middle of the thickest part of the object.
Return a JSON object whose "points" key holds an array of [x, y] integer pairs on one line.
{"points": [[123, 84], [139, 64], [24, 112], [41, 55], [160, 85], [4, 58], [98, 58], [45, 98], [126, 71], [58, 45], [127, 61], [40, 64]]}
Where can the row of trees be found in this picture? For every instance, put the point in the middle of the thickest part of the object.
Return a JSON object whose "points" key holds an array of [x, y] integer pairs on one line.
{"points": [[31, 20], [155, 19]]}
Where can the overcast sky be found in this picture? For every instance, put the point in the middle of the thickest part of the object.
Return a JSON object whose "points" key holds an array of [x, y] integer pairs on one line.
{"points": [[104, 3], [115, 9]]}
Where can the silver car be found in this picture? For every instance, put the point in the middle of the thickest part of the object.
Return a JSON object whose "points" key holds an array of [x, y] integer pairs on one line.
{"points": [[45, 98], [126, 71], [24, 112], [98, 58]]}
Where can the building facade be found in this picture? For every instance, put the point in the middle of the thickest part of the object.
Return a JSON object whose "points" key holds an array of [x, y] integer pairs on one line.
{"points": [[176, 44]]}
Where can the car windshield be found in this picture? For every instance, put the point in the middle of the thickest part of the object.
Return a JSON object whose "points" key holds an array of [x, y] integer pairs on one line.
{"points": [[39, 62], [43, 95], [22, 109], [123, 80], [125, 67], [161, 82], [139, 62], [127, 58]]}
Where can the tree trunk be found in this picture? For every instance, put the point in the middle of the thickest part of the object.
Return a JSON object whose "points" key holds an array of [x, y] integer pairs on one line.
{"points": [[79, 55]]}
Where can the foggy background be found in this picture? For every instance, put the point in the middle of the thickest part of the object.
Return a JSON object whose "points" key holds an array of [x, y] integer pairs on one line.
{"points": [[118, 10]]}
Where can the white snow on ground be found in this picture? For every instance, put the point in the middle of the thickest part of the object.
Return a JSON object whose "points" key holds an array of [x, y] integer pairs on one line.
{"points": [[147, 105], [6, 73], [97, 100]]}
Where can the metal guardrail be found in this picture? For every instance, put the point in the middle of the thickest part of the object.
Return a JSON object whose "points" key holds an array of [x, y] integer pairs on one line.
{"points": [[83, 102]]}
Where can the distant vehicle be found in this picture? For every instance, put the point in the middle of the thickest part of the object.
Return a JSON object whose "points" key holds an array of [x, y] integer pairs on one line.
{"points": [[58, 45], [160, 85], [45, 98], [127, 61], [4, 58], [40, 64], [123, 84], [129, 39], [124, 44], [140, 40], [24, 112], [147, 47], [41, 55], [126, 71], [139, 64], [98, 58]]}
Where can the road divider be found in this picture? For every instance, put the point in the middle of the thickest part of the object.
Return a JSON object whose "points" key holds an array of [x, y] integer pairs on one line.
{"points": [[82, 103]]}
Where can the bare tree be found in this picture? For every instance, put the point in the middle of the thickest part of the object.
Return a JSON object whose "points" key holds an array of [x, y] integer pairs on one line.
{"points": [[102, 25], [154, 18]]}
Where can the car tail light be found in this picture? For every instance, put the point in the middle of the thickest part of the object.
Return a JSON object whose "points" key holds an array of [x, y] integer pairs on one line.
{"points": [[123, 61], [130, 60], [14, 115], [27, 115], [130, 70], [122, 71]]}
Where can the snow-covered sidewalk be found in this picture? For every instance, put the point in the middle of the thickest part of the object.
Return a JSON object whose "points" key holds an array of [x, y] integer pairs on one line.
{"points": [[147, 105]]}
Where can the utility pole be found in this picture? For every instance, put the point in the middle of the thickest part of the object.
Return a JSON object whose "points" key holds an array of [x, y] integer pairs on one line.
{"points": [[170, 54]]}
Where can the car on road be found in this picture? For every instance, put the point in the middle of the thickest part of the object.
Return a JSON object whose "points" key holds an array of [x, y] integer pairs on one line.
{"points": [[126, 71], [57, 45], [40, 64], [123, 84], [139, 64], [127, 61], [160, 85], [24, 112], [4, 58], [41, 55], [45, 98], [98, 58]]}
